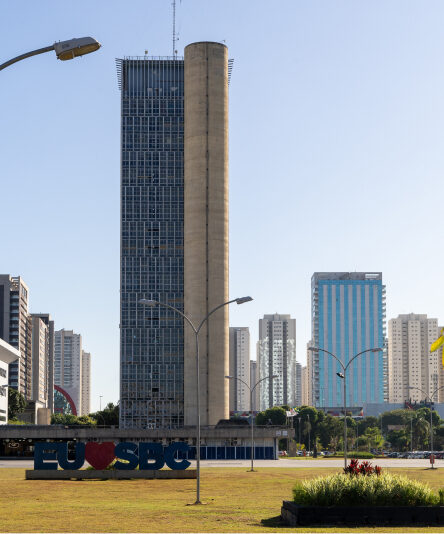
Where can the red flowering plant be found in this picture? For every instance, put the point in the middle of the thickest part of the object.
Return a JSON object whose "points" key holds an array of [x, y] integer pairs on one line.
{"points": [[364, 468]]}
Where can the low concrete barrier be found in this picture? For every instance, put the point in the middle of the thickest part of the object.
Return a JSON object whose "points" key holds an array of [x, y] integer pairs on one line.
{"points": [[294, 515], [81, 474]]}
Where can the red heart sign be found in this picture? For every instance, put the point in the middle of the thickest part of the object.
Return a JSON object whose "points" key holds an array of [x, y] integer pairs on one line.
{"points": [[99, 455]]}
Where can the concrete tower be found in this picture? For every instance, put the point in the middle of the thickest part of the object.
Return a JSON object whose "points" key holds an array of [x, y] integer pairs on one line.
{"points": [[206, 227]]}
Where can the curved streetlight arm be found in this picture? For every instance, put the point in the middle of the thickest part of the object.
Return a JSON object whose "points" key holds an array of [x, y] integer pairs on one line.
{"points": [[240, 380], [28, 54], [335, 357], [423, 392], [261, 380], [211, 313], [430, 397], [179, 312], [356, 355]]}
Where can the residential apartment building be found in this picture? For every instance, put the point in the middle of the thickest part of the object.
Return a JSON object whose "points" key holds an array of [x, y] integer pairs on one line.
{"points": [[86, 383], [254, 378], [410, 362], [304, 379], [43, 362], [348, 316], [239, 368], [441, 371], [298, 388], [15, 329], [68, 367], [8, 354], [174, 236], [40, 360], [277, 356]]}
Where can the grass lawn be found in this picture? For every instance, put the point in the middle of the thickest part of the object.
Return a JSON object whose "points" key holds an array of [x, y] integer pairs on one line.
{"points": [[237, 501]]}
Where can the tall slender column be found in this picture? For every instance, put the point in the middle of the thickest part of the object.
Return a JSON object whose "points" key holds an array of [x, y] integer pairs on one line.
{"points": [[206, 227]]}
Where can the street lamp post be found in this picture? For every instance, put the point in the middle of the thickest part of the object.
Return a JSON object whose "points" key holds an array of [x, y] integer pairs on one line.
{"points": [[299, 421], [149, 302], [64, 50], [343, 377], [251, 409], [431, 421]]}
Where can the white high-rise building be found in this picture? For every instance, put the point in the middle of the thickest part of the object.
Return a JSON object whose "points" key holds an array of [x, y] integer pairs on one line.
{"points": [[277, 356], [441, 371], [40, 360], [68, 367], [239, 368], [86, 383], [410, 362], [298, 392], [304, 380], [254, 377]]}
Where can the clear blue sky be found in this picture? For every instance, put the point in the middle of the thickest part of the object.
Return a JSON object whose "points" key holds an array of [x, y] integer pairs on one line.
{"points": [[336, 153]]}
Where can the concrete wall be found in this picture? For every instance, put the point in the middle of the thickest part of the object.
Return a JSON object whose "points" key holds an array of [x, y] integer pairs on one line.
{"points": [[206, 227]]}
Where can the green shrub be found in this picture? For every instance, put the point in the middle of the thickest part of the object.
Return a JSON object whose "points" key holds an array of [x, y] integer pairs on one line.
{"points": [[382, 490], [15, 421], [361, 455]]}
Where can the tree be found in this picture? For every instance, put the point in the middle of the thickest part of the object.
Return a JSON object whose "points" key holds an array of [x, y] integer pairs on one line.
{"points": [[373, 435], [367, 422], [69, 419], [276, 415], [329, 431], [108, 416], [16, 403], [398, 439]]}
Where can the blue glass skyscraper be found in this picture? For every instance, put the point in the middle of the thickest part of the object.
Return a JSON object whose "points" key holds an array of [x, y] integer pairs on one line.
{"points": [[348, 316]]}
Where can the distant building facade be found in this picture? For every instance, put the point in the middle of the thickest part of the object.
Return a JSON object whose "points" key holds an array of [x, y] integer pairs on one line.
{"points": [[239, 368], [16, 329], [441, 371], [48, 380], [298, 390], [68, 365], [8, 354], [410, 362], [277, 356], [86, 383], [304, 379], [40, 360], [254, 378], [348, 316]]}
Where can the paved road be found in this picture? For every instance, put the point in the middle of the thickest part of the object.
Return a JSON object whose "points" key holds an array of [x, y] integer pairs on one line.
{"points": [[336, 462]]}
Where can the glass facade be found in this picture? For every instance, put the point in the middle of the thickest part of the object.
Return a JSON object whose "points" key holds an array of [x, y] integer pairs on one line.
{"points": [[348, 316], [152, 181]]}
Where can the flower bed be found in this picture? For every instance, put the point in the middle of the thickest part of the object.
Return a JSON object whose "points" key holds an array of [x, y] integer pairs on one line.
{"points": [[363, 495]]}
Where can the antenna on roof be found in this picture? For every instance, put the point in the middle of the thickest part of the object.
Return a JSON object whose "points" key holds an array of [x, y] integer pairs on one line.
{"points": [[174, 28]]}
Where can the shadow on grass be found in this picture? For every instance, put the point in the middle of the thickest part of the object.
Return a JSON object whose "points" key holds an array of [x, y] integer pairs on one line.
{"points": [[273, 522]]}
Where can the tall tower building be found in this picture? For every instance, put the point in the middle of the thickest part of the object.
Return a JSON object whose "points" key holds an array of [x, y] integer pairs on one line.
{"points": [[348, 316], [16, 329], [239, 368], [68, 366], [277, 356], [410, 362], [174, 236], [299, 386], [254, 378], [441, 371], [40, 360], [304, 379], [86, 383], [44, 322]]}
